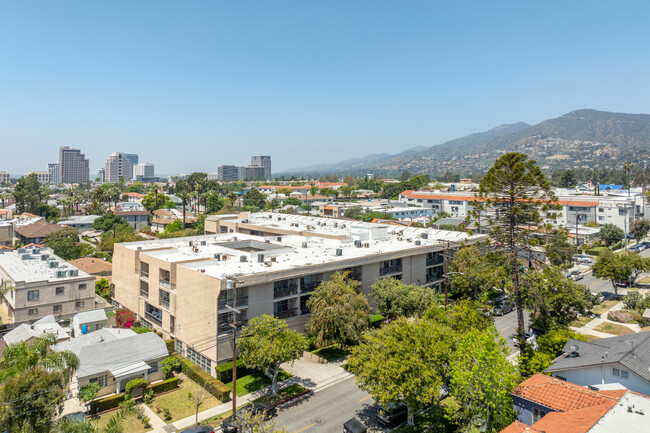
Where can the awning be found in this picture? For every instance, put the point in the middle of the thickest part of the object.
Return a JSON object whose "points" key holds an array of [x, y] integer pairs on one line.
{"points": [[130, 369]]}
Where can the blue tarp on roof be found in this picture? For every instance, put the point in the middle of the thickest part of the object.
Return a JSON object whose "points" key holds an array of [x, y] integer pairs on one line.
{"points": [[604, 187]]}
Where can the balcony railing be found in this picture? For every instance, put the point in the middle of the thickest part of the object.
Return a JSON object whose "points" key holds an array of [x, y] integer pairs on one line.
{"points": [[144, 293], [144, 275], [241, 302], [285, 291], [164, 284], [434, 277], [386, 270], [284, 314], [435, 260], [153, 315], [164, 303], [309, 287]]}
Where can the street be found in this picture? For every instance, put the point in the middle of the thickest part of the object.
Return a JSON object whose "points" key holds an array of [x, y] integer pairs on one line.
{"points": [[327, 409]]}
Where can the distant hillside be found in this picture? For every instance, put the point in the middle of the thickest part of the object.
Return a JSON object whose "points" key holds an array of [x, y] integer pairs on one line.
{"points": [[581, 138]]}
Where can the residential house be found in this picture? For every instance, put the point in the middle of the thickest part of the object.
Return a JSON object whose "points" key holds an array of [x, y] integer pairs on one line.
{"points": [[138, 219], [133, 197], [89, 321], [163, 217], [621, 360], [35, 233], [79, 222], [94, 266], [113, 357], [27, 332]]}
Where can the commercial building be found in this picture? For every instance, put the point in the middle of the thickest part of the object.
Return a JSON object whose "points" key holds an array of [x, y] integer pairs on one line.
{"points": [[4, 177], [42, 176], [41, 284], [248, 172], [144, 171], [101, 175], [53, 169], [117, 165], [228, 173], [262, 161], [268, 264], [73, 166], [133, 160]]}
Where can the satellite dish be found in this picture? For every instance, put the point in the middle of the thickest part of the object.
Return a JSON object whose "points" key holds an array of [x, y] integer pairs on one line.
{"points": [[575, 348]]}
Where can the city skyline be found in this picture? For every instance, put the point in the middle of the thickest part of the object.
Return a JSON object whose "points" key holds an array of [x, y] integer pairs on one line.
{"points": [[207, 84]]}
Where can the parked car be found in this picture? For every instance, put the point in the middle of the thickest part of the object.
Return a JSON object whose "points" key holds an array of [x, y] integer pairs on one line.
{"points": [[598, 297], [531, 340], [199, 429], [575, 275], [642, 246], [634, 249], [645, 244], [503, 306], [624, 283], [229, 425], [392, 414], [585, 259]]}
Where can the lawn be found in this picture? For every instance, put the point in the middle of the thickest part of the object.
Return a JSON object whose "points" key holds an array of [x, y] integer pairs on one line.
{"points": [[590, 337], [433, 421], [331, 353], [253, 382], [613, 328], [131, 423], [178, 402], [600, 309], [644, 280], [284, 393], [581, 321]]}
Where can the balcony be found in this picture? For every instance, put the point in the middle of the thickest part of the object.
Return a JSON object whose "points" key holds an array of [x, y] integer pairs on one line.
{"points": [[164, 284], [144, 293], [242, 301], [434, 278], [144, 275], [282, 292], [155, 316], [309, 287], [164, 303], [284, 314], [387, 270], [435, 260]]}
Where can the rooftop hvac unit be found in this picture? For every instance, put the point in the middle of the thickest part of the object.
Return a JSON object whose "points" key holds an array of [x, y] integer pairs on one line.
{"points": [[339, 252], [243, 259], [217, 256], [60, 274], [418, 242], [424, 235], [366, 245], [279, 218], [139, 248], [317, 222], [45, 256], [25, 256], [54, 264], [73, 273], [279, 238], [357, 244], [190, 244], [304, 244], [336, 224], [260, 258], [245, 221], [202, 243], [21, 250]]}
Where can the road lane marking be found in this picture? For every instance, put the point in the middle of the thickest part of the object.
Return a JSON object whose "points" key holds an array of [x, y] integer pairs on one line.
{"points": [[595, 282], [304, 428], [365, 398]]}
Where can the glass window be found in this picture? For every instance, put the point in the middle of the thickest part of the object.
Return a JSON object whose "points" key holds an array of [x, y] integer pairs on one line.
{"points": [[199, 360], [56, 309], [179, 346], [79, 304], [154, 367], [616, 372], [32, 295], [98, 326], [33, 311], [101, 381], [82, 286], [60, 290], [624, 374]]}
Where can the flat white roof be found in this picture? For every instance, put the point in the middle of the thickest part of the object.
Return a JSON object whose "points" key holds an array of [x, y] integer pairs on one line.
{"points": [[628, 415], [30, 266]]}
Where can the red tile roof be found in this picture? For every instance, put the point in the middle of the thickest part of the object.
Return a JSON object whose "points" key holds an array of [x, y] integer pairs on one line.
{"points": [[519, 427], [2, 247], [558, 394], [133, 194], [574, 421], [407, 192]]}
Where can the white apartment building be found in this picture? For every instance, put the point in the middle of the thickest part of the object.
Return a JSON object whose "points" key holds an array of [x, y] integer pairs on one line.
{"points": [[266, 263], [42, 284], [42, 176], [4, 177], [143, 171], [117, 165]]}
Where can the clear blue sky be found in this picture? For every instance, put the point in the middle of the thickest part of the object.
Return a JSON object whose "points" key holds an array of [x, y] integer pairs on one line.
{"points": [[190, 85]]}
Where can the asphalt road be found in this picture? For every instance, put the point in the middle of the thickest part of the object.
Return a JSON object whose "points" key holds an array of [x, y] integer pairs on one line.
{"points": [[326, 410]]}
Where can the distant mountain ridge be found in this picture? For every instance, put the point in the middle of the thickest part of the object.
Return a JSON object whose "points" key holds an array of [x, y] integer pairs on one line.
{"points": [[581, 138]]}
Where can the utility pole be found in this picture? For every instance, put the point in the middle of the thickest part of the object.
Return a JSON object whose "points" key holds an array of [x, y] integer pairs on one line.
{"points": [[232, 284], [577, 261], [446, 268]]}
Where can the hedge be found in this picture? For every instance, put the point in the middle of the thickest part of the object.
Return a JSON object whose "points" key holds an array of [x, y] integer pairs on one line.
{"points": [[106, 403], [164, 386], [194, 373], [170, 345], [224, 371]]}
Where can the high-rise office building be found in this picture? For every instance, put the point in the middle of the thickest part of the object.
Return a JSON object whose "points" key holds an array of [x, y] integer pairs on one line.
{"points": [[144, 171], [228, 173], [133, 159], [117, 165], [262, 161], [73, 166], [53, 169], [101, 175], [248, 172]]}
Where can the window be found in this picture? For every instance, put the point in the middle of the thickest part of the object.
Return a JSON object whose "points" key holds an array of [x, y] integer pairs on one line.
{"points": [[616, 372], [172, 323], [60, 290], [537, 414], [33, 311], [454, 209], [79, 304], [56, 309], [82, 286], [163, 298], [98, 326], [154, 367], [455, 202], [144, 289], [601, 218], [199, 360], [101, 381], [32, 295], [624, 374], [621, 211], [179, 347], [600, 209]]}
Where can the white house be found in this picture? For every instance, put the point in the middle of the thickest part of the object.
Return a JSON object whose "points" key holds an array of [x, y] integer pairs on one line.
{"points": [[89, 321]]}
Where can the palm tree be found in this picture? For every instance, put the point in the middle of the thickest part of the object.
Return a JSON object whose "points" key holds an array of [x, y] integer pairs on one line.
{"points": [[627, 166], [231, 197], [183, 192]]}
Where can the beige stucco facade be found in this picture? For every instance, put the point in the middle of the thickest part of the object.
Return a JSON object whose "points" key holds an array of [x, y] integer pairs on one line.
{"points": [[113, 385]]}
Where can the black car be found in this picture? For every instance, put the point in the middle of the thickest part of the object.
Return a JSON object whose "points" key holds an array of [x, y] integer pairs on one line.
{"points": [[392, 414], [199, 429], [229, 425]]}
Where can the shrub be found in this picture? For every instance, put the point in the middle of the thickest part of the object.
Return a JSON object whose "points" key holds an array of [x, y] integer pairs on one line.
{"points": [[632, 300], [167, 414], [224, 371], [375, 320], [124, 318], [170, 345], [140, 329], [145, 422], [106, 403], [164, 386], [203, 379], [136, 383], [148, 396], [624, 316]]}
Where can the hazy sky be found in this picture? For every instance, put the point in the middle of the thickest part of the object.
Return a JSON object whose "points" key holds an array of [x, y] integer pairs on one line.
{"points": [[190, 85]]}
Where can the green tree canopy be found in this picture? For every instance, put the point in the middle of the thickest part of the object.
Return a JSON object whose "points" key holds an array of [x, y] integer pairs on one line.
{"points": [[64, 243], [615, 267], [266, 343], [395, 299], [28, 194], [107, 221], [474, 271], [639, 228], [339, 312], [154, 201], [558, 249], [610, 234], [253, 197]]}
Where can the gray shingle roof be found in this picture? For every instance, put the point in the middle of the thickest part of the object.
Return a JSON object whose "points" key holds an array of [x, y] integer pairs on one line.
{"points": [[103, 335], [631, 351], [90, 316]]}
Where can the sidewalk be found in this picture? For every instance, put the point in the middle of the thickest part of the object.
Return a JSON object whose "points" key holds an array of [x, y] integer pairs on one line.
{"points": [[306, 372], [589, 327]]}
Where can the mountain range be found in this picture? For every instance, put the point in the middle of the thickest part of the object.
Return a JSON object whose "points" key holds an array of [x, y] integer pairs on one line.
{"points": [[581, 138]]}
